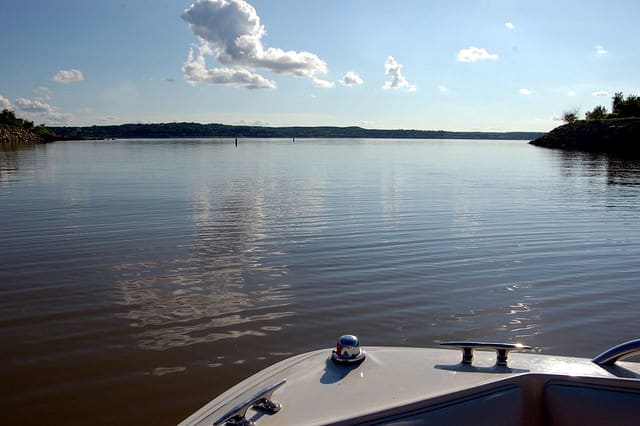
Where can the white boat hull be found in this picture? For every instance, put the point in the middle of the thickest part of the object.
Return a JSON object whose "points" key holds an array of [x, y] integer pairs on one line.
{"points": [[431, 386]]}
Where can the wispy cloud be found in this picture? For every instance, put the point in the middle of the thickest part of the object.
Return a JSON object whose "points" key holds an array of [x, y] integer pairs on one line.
{"points": [[600, 50], [442, 88], [571, 93], [474, 54], [600, 93], [253, 123], [107, 119], [323, 84], [524, 91], [351, 79], [231, 32], [509, 25], [44, 92], [393, 69], [68, 76]]}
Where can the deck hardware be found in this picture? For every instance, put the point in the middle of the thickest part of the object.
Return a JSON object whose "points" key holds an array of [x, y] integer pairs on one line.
{"points": [[348, 350], [260, 401], [623, 350], [502, 350]]}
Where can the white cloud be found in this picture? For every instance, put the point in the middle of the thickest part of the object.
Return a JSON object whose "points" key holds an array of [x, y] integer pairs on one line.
{"points": [[600, 50], [394, 69], [195, 71], [231, 32], [33, 106], [509, 25], [35, 109], [68, 76], [5, 103], [524, 91], [44, 92], [323, 84], [571, 93], [600, 93], [351, 79], [474, 54], [442, 88]]}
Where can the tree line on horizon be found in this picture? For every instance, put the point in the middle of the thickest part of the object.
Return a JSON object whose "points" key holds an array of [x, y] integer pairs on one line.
{"points": [[621, 107], [216, 130], [8, 119]]}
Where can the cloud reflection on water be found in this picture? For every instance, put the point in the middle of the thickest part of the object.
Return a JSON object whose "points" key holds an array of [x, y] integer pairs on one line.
{"points": [[219, 287]]}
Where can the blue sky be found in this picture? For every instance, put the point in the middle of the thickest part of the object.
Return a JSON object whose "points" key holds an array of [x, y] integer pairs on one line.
{"points": [[454, 65]]}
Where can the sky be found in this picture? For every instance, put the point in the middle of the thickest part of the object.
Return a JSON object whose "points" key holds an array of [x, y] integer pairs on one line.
{"points": [[486, 65]]}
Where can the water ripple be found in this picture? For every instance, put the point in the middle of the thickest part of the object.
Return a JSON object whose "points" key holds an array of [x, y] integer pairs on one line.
{"points": [[154, 267]]}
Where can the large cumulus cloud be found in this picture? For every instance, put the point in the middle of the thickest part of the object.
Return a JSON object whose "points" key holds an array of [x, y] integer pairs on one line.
{"points": [[231, 32], [196, 71]]}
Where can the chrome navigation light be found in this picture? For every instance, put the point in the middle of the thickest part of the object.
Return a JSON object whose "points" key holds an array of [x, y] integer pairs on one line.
{"points": [[348, 350]]}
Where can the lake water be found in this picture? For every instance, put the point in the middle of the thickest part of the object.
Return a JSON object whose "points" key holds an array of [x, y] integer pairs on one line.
{"points": [[141, 278]]}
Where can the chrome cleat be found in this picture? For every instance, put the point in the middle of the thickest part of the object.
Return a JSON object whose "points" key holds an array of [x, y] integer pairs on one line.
{"points": [[502, 350]]}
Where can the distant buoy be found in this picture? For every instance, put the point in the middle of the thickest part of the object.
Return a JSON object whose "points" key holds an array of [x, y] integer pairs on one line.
{"points": [[236, 141]]}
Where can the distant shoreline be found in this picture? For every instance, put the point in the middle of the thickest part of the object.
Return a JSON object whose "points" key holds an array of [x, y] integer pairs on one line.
{"points": [[197, 130]]}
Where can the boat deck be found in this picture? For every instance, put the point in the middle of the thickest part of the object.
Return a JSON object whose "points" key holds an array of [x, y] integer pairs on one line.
{"points": [[432, 386]]}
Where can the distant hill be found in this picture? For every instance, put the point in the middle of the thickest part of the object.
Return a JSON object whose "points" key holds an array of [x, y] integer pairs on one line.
{"points": [[197, 130]]}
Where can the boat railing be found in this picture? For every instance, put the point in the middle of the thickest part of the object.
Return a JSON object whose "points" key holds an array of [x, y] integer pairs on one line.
{"points": [[619, 352]]}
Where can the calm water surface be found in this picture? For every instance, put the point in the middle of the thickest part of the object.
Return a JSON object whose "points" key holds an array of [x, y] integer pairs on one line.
{"points": [[139, 279]]}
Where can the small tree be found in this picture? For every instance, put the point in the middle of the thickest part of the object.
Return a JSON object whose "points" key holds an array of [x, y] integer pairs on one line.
{"points": [[571, 115], [616, 104], [622, 108], [598, 113], [8, 117]]}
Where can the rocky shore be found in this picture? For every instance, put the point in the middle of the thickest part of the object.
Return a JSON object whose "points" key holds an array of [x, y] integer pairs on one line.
{"points": [[611, 135], [19, 136]]}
